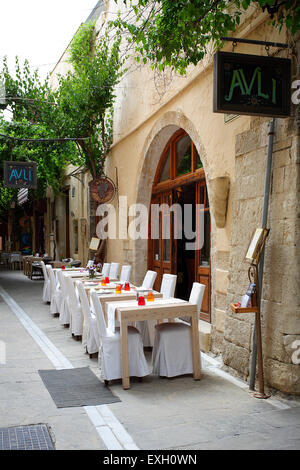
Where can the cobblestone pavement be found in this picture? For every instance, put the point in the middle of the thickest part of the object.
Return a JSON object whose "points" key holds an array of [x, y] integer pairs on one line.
{"points": [[217, 412]]}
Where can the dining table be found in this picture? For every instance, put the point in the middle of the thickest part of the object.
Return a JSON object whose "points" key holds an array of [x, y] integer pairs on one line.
{"points": [[129, 311], [112, 297]]}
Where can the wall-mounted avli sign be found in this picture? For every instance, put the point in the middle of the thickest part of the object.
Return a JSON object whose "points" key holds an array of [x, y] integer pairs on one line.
{"points": [[20, 175], [252, 85]]}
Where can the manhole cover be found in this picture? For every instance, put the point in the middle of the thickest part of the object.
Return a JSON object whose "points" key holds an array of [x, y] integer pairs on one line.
{"points": [[33, 437]]}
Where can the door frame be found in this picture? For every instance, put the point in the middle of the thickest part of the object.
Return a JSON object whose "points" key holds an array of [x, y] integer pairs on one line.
{"points": [[159, 191]]}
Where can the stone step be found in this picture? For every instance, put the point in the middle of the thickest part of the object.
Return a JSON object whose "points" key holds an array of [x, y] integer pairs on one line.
{"points": [[204, 335]]}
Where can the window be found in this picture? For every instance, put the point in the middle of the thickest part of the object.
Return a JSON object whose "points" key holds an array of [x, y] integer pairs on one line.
{"points": [[165, 174], [183, 156], [179, 158], [198, 163]]}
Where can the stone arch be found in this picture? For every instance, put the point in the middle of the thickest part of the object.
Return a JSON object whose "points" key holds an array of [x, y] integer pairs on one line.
{"points": [[154, 145]]}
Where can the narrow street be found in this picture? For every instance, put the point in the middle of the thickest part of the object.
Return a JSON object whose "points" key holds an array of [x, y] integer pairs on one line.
{"points": [[217, 412]]}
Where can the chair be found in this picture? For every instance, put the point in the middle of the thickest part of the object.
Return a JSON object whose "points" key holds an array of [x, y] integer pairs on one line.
{"points": [[105, 269], [36, 270], [55, 292], [76, 263], [110, 348], [47, 287], [90, 337], [114, 270], [147, 327], [172, 350], [74, 305], [125, 273], [64, 313], [168, 285], [149, 280]]}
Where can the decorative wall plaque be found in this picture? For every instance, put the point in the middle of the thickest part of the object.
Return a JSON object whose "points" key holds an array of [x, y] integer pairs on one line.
{"points": [[102, 189]]}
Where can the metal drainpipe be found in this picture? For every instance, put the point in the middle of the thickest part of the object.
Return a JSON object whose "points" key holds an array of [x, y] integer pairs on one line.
{"points": [[261, 262]]}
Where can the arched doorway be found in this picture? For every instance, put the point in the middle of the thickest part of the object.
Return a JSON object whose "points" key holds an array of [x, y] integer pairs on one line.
{"points": [[180, 179]]}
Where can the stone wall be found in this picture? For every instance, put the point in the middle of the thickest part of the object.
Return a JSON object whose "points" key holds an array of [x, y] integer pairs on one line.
{"points": [[281, 285]]}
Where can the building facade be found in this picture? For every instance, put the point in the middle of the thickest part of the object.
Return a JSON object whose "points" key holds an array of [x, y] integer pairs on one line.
{"points": [[170, 147]]}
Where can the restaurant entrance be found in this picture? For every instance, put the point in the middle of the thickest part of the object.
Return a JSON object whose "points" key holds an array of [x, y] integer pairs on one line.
{"points": [[179, 190]]}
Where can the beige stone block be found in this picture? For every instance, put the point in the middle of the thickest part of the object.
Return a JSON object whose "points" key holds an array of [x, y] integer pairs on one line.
{"points": [[222, 259], [282, 317], [238, 332], [291, 178], [130, 256], [236, 357], [216, 341], [278, 180], [281, 259], [253, 162], [283, 377], [289, 232], [252, 186], [272, 287], [291, 287], [220, 320], [281, 158], [295, 151], [204, 335], [283, 207], [221, 281], [282, 144], [247, 142], [221, 300]]}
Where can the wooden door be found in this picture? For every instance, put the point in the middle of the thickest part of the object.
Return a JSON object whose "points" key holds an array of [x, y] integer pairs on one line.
{"points": [[162, 252], [202, 255]]}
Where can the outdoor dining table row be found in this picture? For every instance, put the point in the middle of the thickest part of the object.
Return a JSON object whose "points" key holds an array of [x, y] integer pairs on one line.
{"points": [[123, 309]]}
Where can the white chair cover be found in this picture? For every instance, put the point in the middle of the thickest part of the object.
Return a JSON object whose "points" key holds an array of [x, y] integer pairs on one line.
{"points": [[110, 348], [147, 327], [105, 269], [114, 270], [125, 273], [90, 337], [47, 287], [76, 318], [64, 314], [55, 291], [172, 350], [149, 279], [90, 263], [168, 285]]}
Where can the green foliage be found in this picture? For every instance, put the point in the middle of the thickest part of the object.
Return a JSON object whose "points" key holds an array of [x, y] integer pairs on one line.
{"points": [[176, 33], [86, 93], [30, 103], [81, 107]]}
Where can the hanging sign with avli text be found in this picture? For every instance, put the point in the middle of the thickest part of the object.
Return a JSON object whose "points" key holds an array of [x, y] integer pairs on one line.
{"points": [[252, 85], [20, 175]]}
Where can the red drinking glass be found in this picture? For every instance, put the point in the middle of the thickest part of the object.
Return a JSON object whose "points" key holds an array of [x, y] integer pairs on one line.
{"points": [[141, 300], [107, 280], [63, 267], [127, 286]]}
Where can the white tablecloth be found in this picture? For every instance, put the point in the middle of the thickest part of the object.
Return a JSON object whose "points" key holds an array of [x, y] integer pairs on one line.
{"points": [[111, 308], [13, 257]]}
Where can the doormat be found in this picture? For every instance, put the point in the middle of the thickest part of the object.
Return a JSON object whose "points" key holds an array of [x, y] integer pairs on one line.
{"points": [[76, 387], [31, 437]]}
